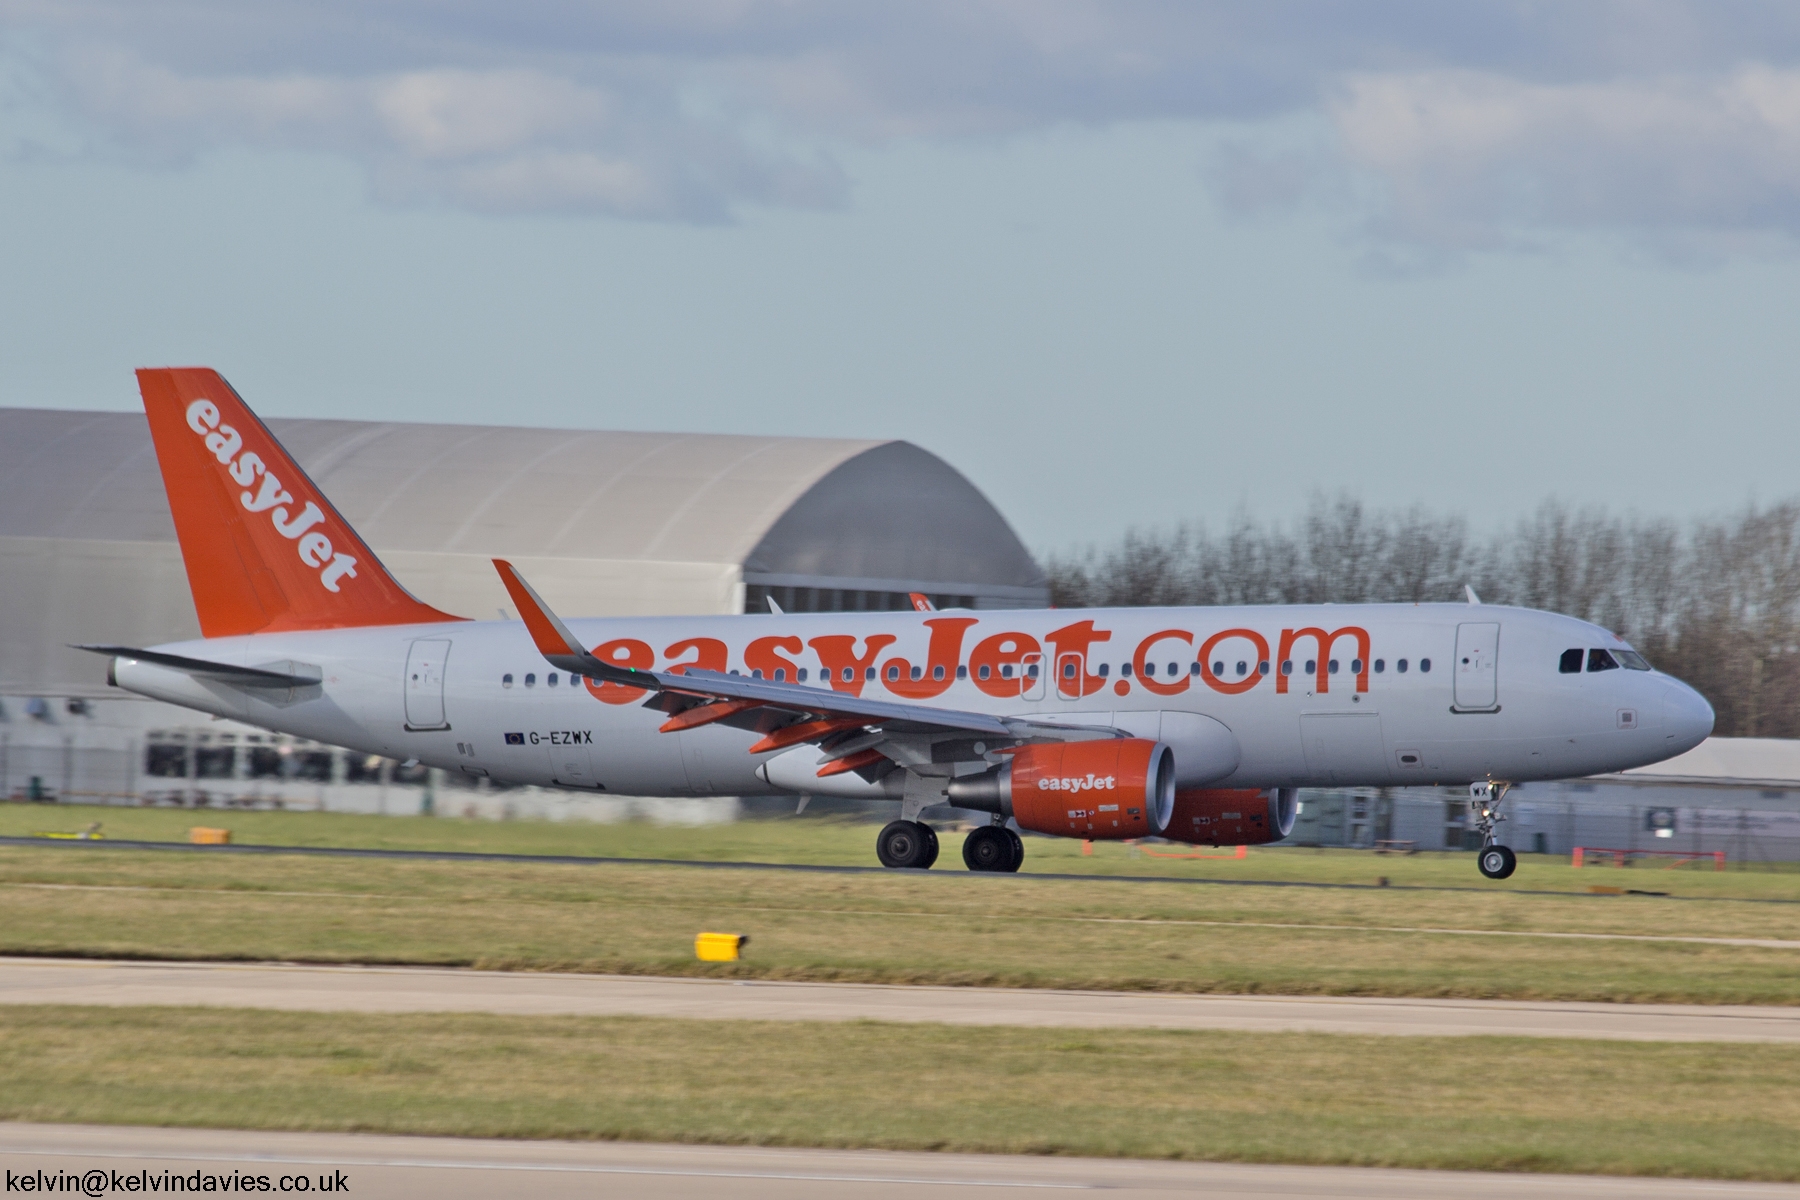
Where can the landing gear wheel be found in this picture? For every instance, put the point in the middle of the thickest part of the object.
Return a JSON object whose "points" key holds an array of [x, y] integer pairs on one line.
{"points": [[1497, 861], [931, 845], [1018, 849], [904, 844], [988, 848]]}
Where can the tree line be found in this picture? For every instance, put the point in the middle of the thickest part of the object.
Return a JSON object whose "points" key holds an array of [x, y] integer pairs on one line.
{"points": [[1715, 602]]}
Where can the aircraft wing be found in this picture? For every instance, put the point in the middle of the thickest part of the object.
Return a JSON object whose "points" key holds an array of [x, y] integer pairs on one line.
{"points": [[857, 732], [562, 649]]}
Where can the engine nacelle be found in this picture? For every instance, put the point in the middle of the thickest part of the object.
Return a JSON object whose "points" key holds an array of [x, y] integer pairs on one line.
{"points": [[1105, 789], [1232, 816]]}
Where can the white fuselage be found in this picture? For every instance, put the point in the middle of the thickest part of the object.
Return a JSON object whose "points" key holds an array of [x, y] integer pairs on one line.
{"points": [[1492, 705]]}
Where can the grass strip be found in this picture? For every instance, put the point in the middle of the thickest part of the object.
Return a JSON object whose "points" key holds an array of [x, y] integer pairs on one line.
{"points": [[1711, 1111], [833, 841], [951, 929]]}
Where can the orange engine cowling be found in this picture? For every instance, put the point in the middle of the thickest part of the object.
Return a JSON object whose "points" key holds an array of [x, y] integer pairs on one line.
{"points": [[1109, 788], [1232, 816]]}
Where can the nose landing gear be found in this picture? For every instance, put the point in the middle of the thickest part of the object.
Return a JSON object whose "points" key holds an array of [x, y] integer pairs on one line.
{"points": [[1495, 861]]}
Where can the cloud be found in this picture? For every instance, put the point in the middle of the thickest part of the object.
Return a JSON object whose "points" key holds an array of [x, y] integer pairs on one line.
{"points": [[1485, 123], [497, 139], [1465, 157]]}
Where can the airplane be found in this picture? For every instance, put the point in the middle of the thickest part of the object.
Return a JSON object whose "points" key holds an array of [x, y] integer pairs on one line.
{"points": [[1196, 725]]}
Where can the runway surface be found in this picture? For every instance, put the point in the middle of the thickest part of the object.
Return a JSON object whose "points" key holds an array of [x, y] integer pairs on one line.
{"points": [[454, 1168], [415, 989]]}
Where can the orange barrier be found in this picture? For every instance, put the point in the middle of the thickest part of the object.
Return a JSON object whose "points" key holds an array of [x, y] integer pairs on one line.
{"points": [[1680, 858]]}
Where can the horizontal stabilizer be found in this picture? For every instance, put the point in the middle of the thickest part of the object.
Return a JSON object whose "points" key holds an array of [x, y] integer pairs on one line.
{"points": [[218, 672]]}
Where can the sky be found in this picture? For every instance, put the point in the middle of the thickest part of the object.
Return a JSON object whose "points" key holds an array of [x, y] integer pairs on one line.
{"points": [[1125, 265]]}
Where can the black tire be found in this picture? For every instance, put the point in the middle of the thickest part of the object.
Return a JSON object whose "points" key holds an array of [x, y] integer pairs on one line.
{"points": [[988, 849], [1497, 861], [931, 846], [1018, 849], [902, 844]]}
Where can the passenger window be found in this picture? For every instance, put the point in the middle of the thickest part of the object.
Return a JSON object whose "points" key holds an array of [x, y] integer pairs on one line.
{"points": [[1331, 667], [1104, 668], [849, 674], [1174, 670], [756, 674], [1600, 660], [1032, 670], [1194, 669], [780, 674], [893, 673], [1400, 666], [986, 671], [1068, 670], [963, 672], [1356, 666], [1262, 668], [550, 679], [869, 674], [1218, 670], [506, 680], [1006, 670], [1287, 666], [1125, 670], [1243, 668], [1312, 666], [800, 675], [919, 672], [937, 672], [530, 680], [1570, 663], [1425, 664], [1380, 665]]}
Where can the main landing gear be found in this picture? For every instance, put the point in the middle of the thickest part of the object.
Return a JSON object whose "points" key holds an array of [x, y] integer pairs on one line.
{"points": [[914, 845], [993, 848], [1496, 861], [911, 844]]}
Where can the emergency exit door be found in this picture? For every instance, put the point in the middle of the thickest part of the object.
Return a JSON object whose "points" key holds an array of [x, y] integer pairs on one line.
{"points": [[1477, 654], [425, 683]]}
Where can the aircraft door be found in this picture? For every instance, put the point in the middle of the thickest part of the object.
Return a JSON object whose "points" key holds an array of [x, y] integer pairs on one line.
{"points": [[425, 683], [1071, 669], [1477, 652], [1031, 687]]}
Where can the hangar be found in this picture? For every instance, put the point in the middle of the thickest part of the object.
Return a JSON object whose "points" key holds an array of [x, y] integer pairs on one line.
{"points": [[604, 523]]}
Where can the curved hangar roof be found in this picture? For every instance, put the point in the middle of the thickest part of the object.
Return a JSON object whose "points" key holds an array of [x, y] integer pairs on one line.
{"points": [[602, 524]]}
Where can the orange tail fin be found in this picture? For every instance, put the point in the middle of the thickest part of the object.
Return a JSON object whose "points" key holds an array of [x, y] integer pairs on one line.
{"points": [[264, 548]]}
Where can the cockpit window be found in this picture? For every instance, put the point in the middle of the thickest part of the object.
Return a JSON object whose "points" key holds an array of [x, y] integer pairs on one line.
{"points": [[1571, 662], [1631, 660], [1600, 660]]}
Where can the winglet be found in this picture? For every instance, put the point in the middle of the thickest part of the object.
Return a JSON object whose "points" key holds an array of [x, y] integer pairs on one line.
{"points": [[552, 637], [921, 602]]}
